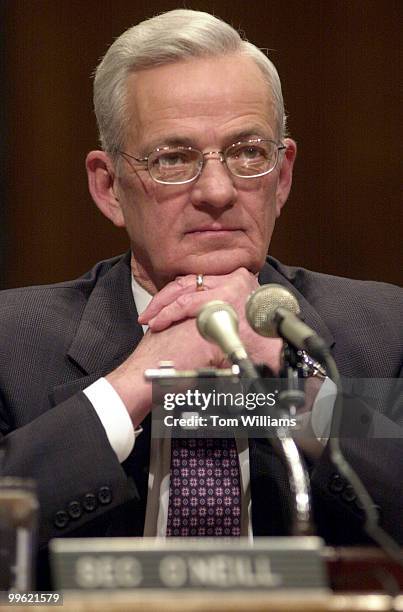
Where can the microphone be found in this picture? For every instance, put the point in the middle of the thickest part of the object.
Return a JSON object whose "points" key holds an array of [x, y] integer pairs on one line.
{"points": [[217, 322], [272, 311]]}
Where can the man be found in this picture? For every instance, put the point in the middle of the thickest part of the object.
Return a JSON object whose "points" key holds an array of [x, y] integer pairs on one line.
{"points": [[196, 166]]}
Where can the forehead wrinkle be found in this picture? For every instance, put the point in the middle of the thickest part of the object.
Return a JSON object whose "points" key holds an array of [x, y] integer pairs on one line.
{"points": [[178, 132], [157, 114]]}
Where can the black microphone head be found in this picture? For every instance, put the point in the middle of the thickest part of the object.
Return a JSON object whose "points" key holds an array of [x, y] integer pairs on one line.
{"points": [[261, 308]]}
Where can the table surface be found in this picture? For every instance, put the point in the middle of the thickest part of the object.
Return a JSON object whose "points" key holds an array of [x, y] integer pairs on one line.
{"points": [[139, 601]]}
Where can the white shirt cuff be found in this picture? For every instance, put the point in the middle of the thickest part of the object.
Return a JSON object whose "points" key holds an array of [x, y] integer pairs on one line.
{"points": [[113, 416]]}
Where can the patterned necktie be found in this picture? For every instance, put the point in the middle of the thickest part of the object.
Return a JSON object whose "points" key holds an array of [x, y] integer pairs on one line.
{"points": [[205, 489]]}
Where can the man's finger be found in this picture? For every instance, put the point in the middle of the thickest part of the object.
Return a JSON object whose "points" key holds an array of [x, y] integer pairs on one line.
{"points": [[186, 306], [182, 285], [186, 285]]}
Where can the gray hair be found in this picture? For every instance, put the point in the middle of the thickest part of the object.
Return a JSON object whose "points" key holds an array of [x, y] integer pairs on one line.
{"points": [[167, 38]]}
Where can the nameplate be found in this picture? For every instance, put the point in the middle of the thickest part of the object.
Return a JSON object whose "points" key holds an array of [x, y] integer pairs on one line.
{"points": [[268, 564]]}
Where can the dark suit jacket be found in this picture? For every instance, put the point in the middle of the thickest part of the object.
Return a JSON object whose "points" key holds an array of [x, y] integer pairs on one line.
{"points": [[56, 340]]}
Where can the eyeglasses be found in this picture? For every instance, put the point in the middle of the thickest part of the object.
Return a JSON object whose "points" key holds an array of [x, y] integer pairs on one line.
{"points": [[176, 165]]}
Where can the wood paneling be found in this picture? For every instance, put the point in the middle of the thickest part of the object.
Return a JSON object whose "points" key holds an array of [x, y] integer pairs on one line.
{"points": [[339, 64]]}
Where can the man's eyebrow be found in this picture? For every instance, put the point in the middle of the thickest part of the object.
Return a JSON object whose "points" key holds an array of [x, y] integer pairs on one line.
{"points": [[252, 132], [185, 141], [170, 141]]}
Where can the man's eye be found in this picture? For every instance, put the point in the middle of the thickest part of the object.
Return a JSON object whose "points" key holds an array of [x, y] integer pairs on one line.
{"points": [[171, 159], [251, 153]]}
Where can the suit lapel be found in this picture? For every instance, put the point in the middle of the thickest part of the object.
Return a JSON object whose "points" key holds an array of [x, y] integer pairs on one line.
{"points": [[108, 330], [270, 274]]}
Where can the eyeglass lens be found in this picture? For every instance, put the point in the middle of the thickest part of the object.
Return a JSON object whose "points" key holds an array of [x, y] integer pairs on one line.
{"points": [[179, 164]]}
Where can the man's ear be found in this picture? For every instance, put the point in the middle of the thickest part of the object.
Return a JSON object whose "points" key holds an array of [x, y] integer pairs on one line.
{"points": [[285, 174], [101, 184]]}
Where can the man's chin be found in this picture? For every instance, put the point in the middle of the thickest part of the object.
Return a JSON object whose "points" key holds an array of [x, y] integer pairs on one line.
{"points": [[221, 263]]}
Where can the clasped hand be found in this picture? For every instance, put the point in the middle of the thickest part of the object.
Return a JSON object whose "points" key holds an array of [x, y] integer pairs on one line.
{"points": [[172, 335], [179, 301]]}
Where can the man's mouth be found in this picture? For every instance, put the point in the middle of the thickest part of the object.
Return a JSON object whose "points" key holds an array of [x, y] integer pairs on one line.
{"points": [[213, 229]]}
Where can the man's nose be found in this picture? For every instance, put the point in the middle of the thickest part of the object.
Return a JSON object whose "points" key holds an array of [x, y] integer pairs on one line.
{"points": [[215, 185]]}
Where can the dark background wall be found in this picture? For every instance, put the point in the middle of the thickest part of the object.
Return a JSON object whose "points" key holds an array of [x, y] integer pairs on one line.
{"points": [[339, 64]]}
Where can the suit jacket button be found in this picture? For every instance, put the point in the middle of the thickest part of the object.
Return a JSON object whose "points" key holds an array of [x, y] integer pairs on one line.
{"points": [[61, 519], [104, 495], [74, 510], [89, 502], [348, 494], [336, 484]]}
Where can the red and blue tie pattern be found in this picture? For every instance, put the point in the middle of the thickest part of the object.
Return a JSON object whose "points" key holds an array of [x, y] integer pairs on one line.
{"points": [[205, 489]]}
